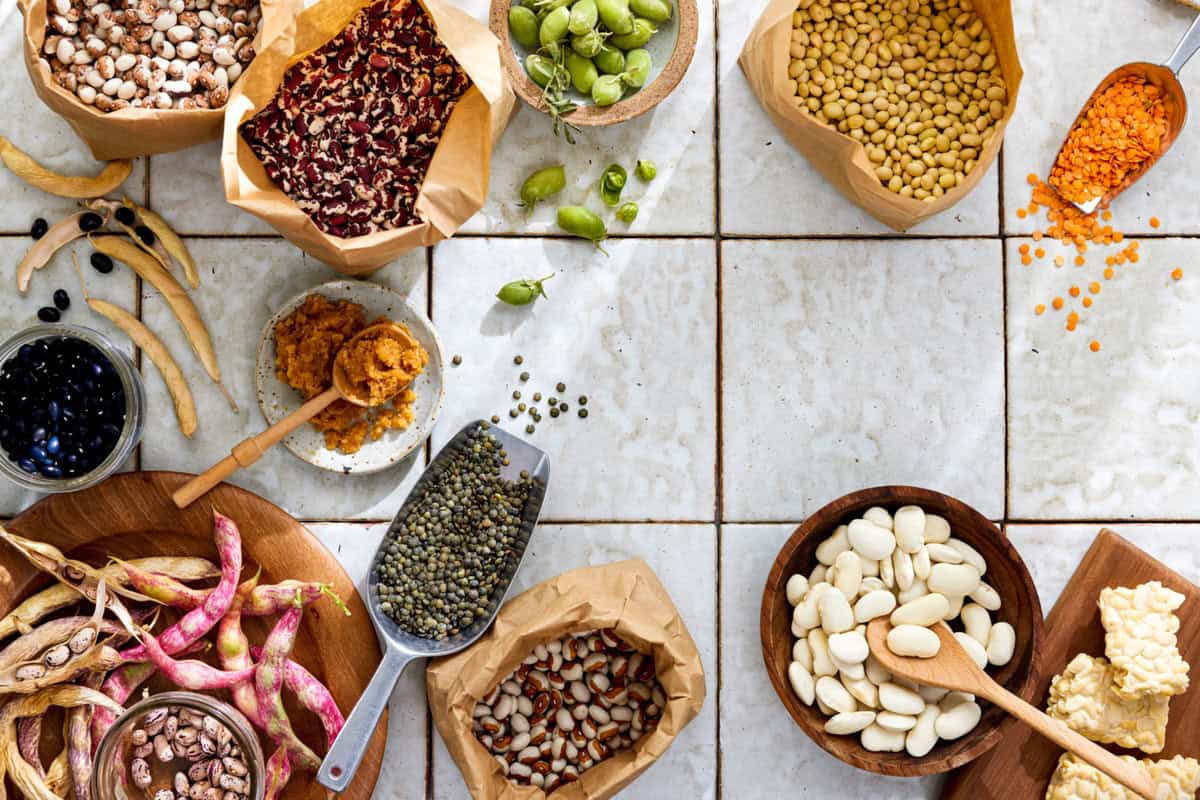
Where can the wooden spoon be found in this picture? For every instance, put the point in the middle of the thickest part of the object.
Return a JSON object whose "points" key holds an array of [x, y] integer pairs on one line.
{"points": [[952, 668], [250, 450]]}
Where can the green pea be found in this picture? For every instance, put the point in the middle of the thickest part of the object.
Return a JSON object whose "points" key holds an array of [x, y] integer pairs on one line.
{"points": [[653, 10], [554, 26], [583, 72], [610, 60], [637, 68], [646, 170], [540, 69], [615, 15], [627, 213], [542, 184], [643, 29], [589, 44], [607, 90], [523, 25], [583, 17], [578, 221]]}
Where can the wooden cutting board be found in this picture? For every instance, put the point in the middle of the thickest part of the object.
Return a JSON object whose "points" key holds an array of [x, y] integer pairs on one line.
{"points": [[1021, 765]]}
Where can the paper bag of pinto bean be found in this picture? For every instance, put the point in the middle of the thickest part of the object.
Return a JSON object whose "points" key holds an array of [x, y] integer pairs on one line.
{"points": [[631, 625], [366, 128], [138, 78], [803, 54]]}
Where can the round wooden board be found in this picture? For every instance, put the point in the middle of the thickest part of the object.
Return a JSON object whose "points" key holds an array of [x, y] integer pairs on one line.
{"points": [[131, 515]]}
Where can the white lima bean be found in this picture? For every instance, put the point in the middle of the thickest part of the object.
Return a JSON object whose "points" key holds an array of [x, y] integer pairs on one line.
{"points": [[876, 673], [817, 575], [937, 530], [862, 690], [802, 654], [974, 649], [851, 670], [986, 596], [921, 564], [923, 611], [902, 566], [918, 589], [887, 573], [820, 653], [880, 740], [895, 722], [831, 548], [900, 700], [942, 554], [870, 569], [953, 580], [932, 694], [849, 574], [956, 604], [913, 641], [874, 604], [871, 541], [958, 720], [969, 554], [1002, 640], [836, 614], [878, 515], [909, 527], [850, 647], [922, 738], [871, 584], [977, 622], [855, 721], [802, 683], [834, 695], [797, 587]]}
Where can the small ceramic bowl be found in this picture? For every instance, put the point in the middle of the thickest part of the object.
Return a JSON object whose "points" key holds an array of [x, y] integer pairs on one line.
{"points": [[671, 50], [1006, 573], [277, 399]]}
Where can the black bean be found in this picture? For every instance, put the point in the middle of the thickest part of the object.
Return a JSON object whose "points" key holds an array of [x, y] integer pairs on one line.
{"points": [[125, 215], [49, 314], [102, 263], [145, 234], [40, 226], [62, 300], [90, 222]]}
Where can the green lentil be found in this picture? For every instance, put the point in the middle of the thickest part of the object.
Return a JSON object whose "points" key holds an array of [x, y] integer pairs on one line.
{"points": [[554, 412], [518, 360], [583, 413], [530, 429], [495, 419], [524, 376], [456, 360], [583, 399], [537, 396], [512, 412], [562, 387], [521, 407], [516, 395], [553, 401]]}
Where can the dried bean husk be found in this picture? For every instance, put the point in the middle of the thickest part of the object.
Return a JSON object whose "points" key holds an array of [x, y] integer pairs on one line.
{"points": [[29, 734], [59, 235], [78, 187], [170, 240], [58, 777], [98, 658], [79, 743], [49, 634], [157, 251]]}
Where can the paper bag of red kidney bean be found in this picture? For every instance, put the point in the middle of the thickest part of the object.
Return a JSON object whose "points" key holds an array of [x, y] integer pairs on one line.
{"points": [[581, 684], [133, 77], [366, 128]]}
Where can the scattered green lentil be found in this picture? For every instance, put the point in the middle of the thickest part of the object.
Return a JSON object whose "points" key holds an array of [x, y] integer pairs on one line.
{"points": [[562, 387], [554, 412], [456, 360], [518, 360], [537, 396], [516, 394], [530, 429], [495, 419], [521, 407], [524, 376], [562, 407], [512, 412], [553, 401], [583, 413], [583, 399]]}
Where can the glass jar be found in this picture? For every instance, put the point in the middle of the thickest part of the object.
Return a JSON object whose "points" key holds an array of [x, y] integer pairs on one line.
{"points": [[135, 403], [111, 774]]}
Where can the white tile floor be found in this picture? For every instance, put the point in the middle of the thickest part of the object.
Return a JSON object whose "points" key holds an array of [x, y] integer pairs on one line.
{"points": [[752, 349]]}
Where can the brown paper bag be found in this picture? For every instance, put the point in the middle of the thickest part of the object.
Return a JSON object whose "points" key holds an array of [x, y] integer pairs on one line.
{"points": [[626, 596], [455, 185], [133, 132], [842, 160]]}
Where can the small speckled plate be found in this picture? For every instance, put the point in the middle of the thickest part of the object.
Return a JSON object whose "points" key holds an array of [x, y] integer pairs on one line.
{"points": [[277, 399]]}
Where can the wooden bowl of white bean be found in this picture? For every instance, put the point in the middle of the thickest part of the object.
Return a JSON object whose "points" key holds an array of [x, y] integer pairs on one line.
{"points": [[918, 556]]}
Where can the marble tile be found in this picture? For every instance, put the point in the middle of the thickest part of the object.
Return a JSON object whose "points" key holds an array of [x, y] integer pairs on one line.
{"points": [[684, 558], [854, 363], [1060, 74], [763, 752], [255, 277], [18, 312], [191, 179], [403, 773], [633, 332], [1111, 434], [33, 127], [769, 188], [1052, 552], [677, 136]]}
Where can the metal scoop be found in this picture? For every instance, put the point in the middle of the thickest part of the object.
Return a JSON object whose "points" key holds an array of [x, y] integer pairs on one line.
{"points": [[401, 647], [1165, 77]]}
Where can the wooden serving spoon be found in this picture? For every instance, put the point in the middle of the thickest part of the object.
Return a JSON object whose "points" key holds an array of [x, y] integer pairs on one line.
{"points": [[250, 450], [952, 668]]}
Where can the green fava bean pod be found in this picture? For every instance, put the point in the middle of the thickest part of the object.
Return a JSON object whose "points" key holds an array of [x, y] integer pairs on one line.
{"points": [[612, 182], [540, 69], [589, 44], [610, 60], [616, 16], [653, 10], [607, 90], [554, 26], [578, 221], [627, 213], [584, 16], [542, 184], [583, 72], [523, 25], [637, 68], [643, 29]]}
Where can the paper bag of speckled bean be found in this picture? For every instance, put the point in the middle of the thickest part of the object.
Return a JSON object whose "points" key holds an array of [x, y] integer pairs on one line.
{"points": [[131, 132], [456, 182], [842, 160], [625, 596]]}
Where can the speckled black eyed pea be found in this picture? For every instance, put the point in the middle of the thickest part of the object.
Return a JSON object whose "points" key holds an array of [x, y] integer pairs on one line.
{"points": [[523, 25]]}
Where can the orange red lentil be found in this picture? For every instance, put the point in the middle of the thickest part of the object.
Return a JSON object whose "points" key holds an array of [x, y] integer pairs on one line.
{"points": [[1177, 273]]}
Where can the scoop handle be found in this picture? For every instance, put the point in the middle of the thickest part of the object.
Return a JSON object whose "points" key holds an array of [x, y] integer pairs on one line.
{"points": [[341, 762], [1186, 48]]}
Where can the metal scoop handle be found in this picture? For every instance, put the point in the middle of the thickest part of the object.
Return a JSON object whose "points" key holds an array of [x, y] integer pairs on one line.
{"points": [[340, 764], [1186, 48]]}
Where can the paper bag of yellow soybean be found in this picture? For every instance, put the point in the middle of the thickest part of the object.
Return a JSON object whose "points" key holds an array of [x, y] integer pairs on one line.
{"points": [[130, 132], [454, 186], [767, 56], [625, 596]]}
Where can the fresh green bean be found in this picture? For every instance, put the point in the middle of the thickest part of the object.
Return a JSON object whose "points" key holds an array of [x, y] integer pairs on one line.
{"points": [[584, 16], [589, 44], [578, 221], [646, 170], [583, 72], [522, 293], [627, 213], [637, 68], [554, 26], [607, 90], [523, 25], [542, 184], [615, 15], [643, 29], [653, 10], [540, 69], [610, 60]]}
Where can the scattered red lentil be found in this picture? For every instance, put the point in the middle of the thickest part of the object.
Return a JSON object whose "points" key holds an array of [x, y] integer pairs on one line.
{"points": [[1023, 249], [1057, 303], [1040, 253], [1074, 291], [1040, 308], [1026, 260], [1177, 273], [1058, 261], [1108, 274], [1094, 287], [1154, 223], [1087, 302], [1022, 213], [1080, 261], [1094, 346]]}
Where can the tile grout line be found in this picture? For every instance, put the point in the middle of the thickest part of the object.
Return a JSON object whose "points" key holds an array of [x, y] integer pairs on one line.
{"points": [[719, 465], [1004, 326], [428, 446]]}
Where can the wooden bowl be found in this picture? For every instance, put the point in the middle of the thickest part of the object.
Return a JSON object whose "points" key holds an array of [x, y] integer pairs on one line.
{"points": [[132, 515], [1006, 572], [662, 82]]}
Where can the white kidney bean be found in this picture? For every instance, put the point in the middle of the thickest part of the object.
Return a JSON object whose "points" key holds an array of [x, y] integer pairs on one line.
{"points": [[802, 654], [835, 545], [956, 604], [913, 640], [871, 541], [923, 611], [943, 554], [921, 564], [855, 721], [899, 699], [824, 709], [887, 573], [870, 569], [817, 575], [977, 622], [918, 589], [799, 632], [806, 615], [902, 565], [862, 690], [881, 740], [849, 574], [922, 738], [848, 669], [986, 596], [800, 679], [879, 516], [974, 649], [819, 644], [874, 604], [969, 554], [957, 721], [834, 695], [849, 648], [872, 583], [797, 587], [836, 614], [895, 722], [956, 580], [936, 529], [876, 673], [909, 527], [1002, 640], [932, 694]]}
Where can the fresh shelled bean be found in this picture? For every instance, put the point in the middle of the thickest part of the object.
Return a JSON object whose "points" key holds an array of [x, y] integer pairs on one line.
{"points": [[584, 16], [612, 182], [583, 72], [643, 29], [542, 184], [578, 221], [610, 60], [615, 15], [589, 44], [523, 24], [554, 26], [540, 69], [653, 10], [637, 68], [627, 213], [607, 90]]}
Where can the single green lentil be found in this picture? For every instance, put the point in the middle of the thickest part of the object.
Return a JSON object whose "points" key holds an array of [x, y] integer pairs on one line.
{"points": [[456, 360], [537, 397], [583, 399], [553, 401], [512, 412], [521, 407], [562, 387], [583, 413], [530, 429], [524, 376], [554, 412], [495, 419], [518, 360], [562, 407], [516, 395]]}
